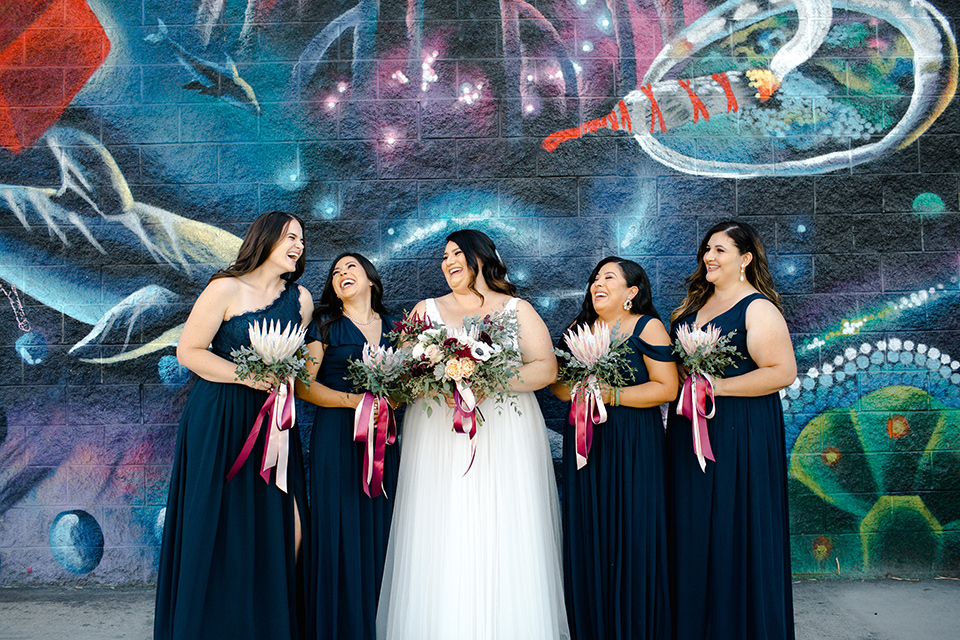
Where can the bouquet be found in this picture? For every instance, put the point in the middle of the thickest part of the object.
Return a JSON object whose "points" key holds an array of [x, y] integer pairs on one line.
{"points": [[476, 361], [379, 374], [705, 354], [596, 357], [277, 357]]}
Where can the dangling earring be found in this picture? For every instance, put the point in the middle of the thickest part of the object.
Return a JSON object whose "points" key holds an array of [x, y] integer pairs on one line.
{"points": [[628, 304], [743, 268]]}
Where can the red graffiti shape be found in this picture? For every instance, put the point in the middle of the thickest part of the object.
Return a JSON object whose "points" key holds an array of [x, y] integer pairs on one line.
{"points": [[48, 51]]}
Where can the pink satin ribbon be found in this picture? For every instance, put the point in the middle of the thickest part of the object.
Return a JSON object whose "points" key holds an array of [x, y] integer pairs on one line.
{"points": [[374, 424], [586, 410], [281, 408], [693, 405], [465, 411]]}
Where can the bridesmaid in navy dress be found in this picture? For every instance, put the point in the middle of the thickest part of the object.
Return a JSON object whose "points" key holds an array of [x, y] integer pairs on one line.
{"points": [[730, 557], [614, 523], [229, 555], [349, 529]]}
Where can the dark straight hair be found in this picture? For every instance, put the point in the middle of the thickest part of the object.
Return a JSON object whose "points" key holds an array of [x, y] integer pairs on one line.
{"points": [[262, 236], [635, 277], [757, 273], [478, 249], [330, 307]]}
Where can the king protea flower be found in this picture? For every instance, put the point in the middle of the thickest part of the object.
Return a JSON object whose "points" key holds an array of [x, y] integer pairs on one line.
{"points": [[704, 339], [375, 355], [274, 345], [589, 345]]}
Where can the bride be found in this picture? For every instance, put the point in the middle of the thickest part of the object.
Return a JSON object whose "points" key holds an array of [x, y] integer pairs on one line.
{"points": [[476, 555]]}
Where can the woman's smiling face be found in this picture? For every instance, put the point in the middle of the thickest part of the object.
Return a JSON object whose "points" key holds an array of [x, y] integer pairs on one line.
{"points": [[455, 268], [722, 259], [289, 247], [609, 289], [349, 278]]}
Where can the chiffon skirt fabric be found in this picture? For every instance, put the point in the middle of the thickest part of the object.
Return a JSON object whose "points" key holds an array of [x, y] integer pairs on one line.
{"points": [[349, 531], [476, 554], [730, 559], [615, 530], [228, 566]]}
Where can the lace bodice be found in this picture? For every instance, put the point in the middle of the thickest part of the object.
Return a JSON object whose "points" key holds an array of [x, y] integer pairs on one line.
{"points": [[234, 332]]}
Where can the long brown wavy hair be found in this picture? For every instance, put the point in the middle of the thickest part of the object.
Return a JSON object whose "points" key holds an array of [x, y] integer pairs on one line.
{"points": [[478, 249], [757, 273], [260, 240]]}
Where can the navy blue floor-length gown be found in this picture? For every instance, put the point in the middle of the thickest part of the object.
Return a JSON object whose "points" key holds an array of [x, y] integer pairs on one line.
{"points": [[614, 521], [228, 564], [349, 529], [730, 552]]}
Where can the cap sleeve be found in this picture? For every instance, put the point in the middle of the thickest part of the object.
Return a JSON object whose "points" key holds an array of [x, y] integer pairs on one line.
{"points": [[313, 333]]}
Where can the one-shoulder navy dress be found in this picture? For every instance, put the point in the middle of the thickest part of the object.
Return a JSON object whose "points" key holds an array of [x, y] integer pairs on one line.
{"points": [[227, 561], [614, 521], [349, 529], [729, 527]]}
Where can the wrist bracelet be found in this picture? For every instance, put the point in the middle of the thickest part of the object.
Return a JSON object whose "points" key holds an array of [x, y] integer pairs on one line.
{"points": [[616, 396]]}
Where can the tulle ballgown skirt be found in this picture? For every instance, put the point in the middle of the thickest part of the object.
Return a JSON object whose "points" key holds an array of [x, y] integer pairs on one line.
{"points": [[475, 555]]}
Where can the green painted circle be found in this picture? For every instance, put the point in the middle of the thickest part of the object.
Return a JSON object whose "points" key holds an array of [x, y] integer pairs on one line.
{"points": [[928, 203]]}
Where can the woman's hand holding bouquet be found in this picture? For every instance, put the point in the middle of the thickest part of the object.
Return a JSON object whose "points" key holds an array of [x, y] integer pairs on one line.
{"points": [[704, 354], [379, 374], [595, 366], [277, 358], [466, 364]]}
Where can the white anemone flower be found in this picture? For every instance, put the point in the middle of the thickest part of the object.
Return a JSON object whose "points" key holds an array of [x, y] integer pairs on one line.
{"points": [[481, 351], [274, 345]]}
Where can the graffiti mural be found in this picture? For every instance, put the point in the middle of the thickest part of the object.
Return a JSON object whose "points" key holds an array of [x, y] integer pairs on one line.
{"points": [[137, 142]]}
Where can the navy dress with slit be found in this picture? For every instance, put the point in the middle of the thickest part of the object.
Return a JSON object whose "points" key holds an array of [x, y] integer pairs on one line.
{"points": [[614, 522], [729, 527], [349, 529], [228, 566]]}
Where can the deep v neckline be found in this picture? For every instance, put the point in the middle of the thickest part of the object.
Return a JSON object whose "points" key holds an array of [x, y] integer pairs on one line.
{"points": [[699, 325], [356, 329]]}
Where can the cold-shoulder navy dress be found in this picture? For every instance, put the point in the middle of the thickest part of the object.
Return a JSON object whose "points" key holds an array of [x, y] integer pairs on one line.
{"points": [[614, 522], [227, 561], [729, 527], [349, 529]]}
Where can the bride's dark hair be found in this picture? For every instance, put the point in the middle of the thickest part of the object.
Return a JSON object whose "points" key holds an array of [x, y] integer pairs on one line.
{"points": [[260, 240], [478, 249], [635, 276]]}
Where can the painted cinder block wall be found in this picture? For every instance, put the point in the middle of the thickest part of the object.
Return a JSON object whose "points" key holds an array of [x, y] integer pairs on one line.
{"points": [[139, 139]]}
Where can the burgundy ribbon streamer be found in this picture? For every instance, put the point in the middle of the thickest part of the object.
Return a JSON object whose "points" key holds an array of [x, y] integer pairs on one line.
{"points": [[281, 413], [586, 410], [377, 427], [693, 405], [465, 410]]}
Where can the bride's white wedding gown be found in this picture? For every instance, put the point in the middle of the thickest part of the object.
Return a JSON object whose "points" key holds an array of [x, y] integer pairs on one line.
{"points": [[475, 555]]}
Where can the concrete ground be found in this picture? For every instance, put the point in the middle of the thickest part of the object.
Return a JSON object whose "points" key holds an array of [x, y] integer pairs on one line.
{"points": [[834, 609]]}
